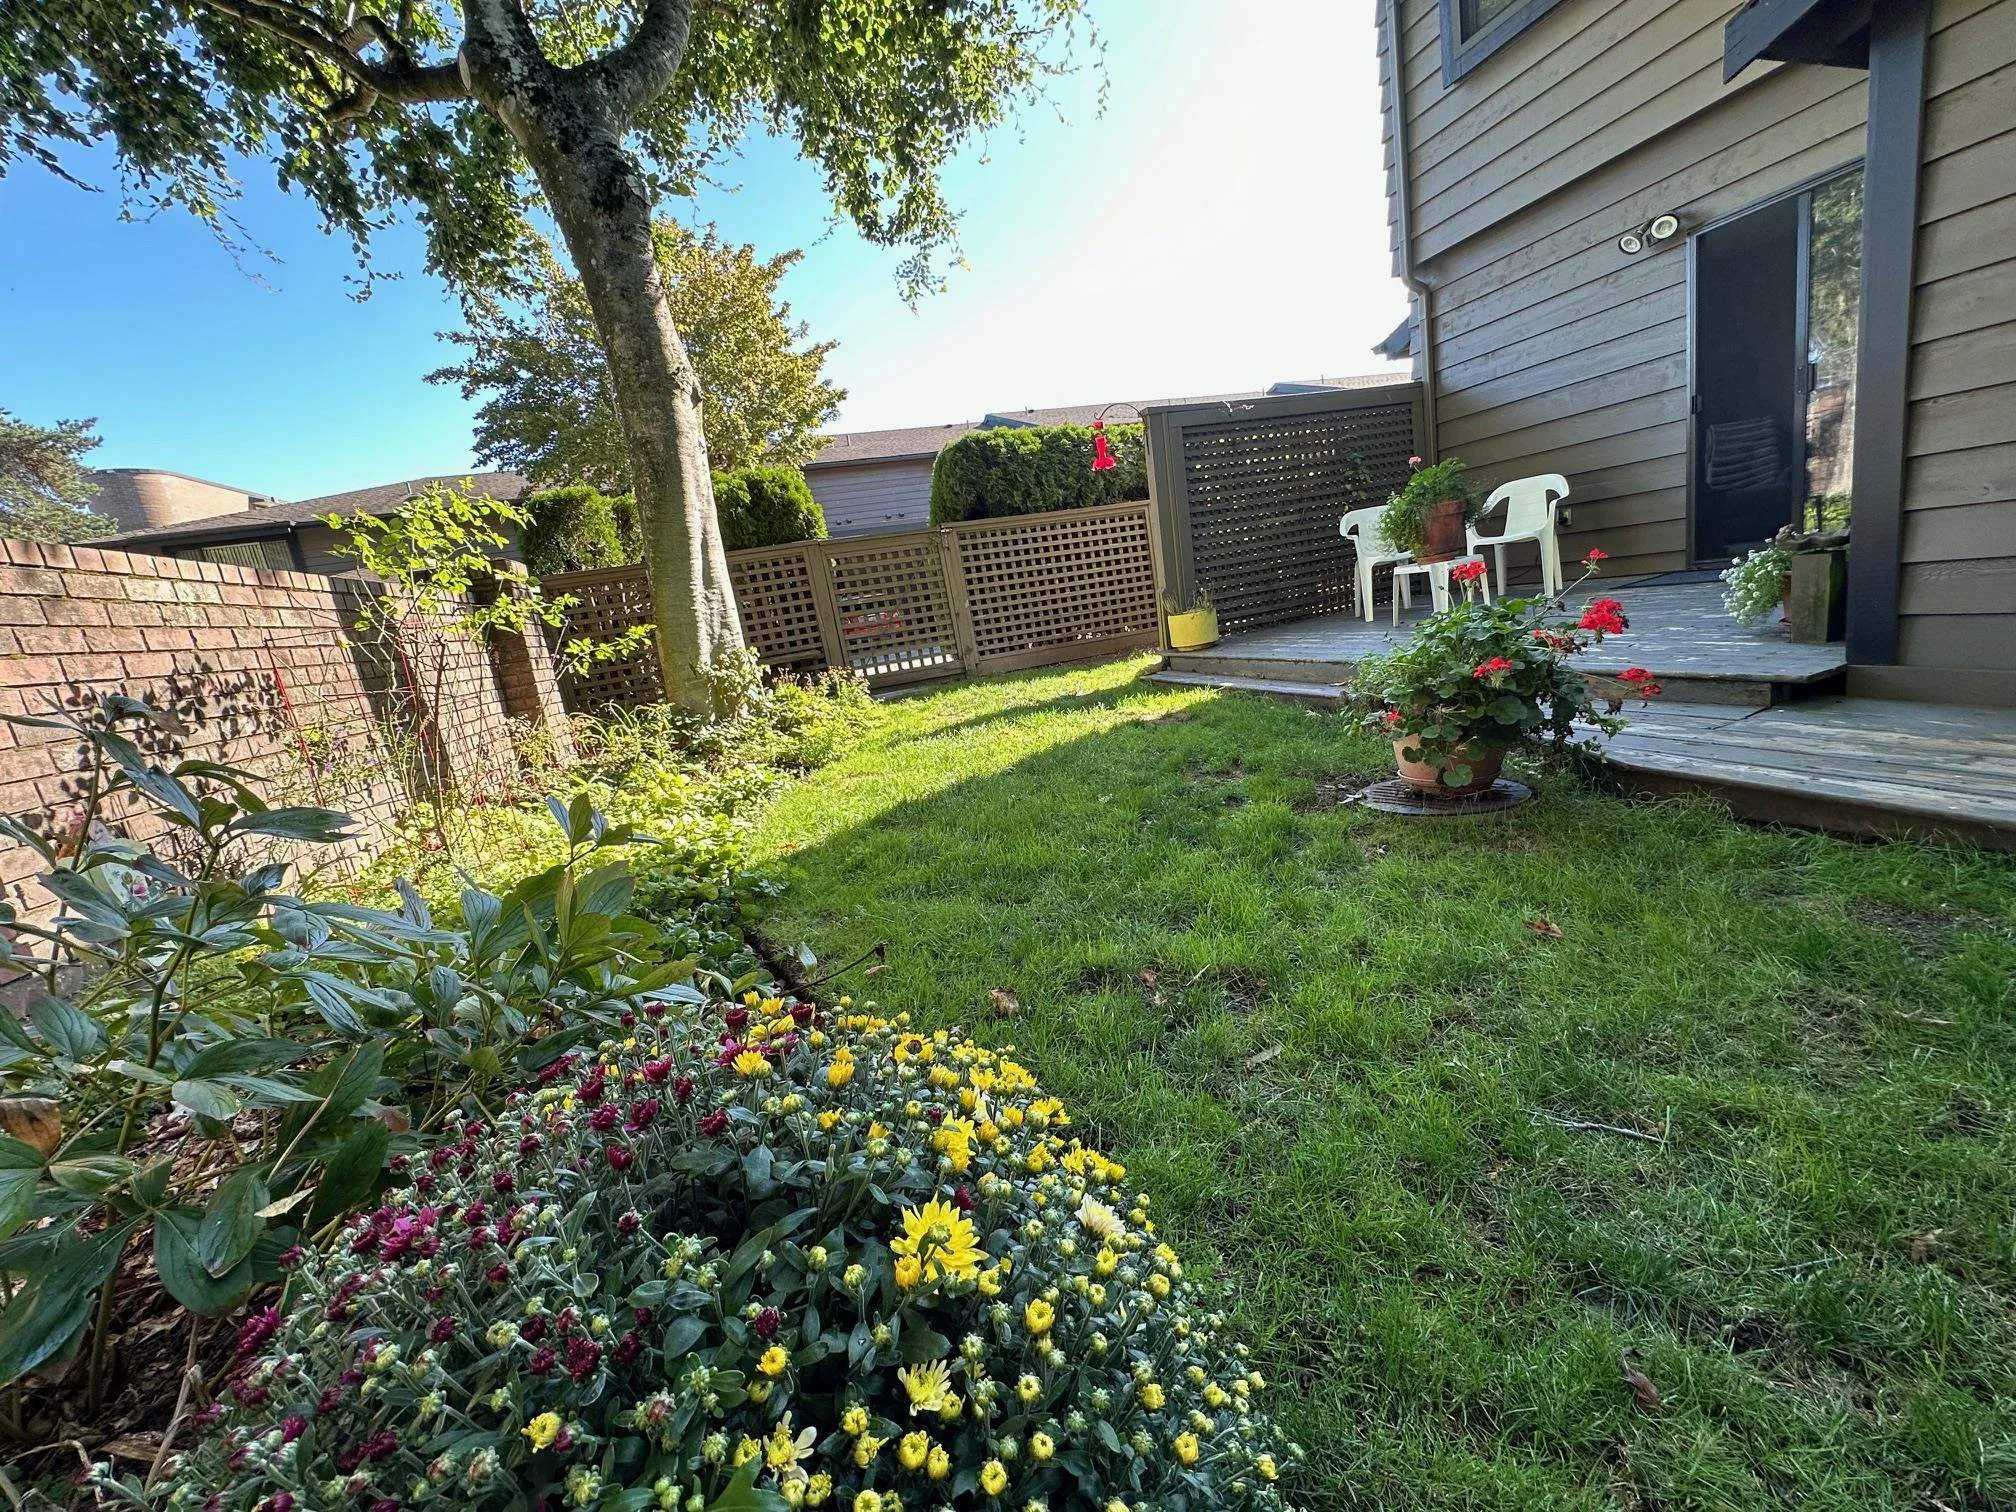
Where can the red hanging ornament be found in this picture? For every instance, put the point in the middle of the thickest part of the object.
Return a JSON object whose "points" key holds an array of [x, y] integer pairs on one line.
{"points": [[1102, 454]]}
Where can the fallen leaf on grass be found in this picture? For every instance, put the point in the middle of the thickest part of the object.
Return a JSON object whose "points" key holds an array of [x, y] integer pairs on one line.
{"points": [[1923, 1244], [1260, 1058], [1643, 1392], [876, 970], [1006, 1004], [1547, 929]]}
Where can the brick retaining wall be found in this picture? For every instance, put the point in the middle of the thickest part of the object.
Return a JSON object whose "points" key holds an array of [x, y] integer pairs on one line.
{"points": [[258, 671]]}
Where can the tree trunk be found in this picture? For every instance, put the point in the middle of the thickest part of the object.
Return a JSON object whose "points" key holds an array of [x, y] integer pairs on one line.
{"points": [[570, 134]]}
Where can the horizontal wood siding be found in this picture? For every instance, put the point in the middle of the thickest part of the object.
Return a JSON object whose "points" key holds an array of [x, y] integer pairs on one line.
{"points": [[1556, 352], [870, 498], [1957, 597]]}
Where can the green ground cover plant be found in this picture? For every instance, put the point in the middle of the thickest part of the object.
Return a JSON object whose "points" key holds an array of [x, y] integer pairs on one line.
{"points": [[1606, 1154]]}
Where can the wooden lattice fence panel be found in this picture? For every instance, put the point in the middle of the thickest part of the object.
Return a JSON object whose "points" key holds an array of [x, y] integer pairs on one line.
{"points": [[1247, 496], [1034, 583], [982, 596], [607, 602], [894, 610], [774, 590]]}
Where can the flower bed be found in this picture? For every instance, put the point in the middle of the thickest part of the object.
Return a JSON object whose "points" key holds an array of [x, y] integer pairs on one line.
{"points": [[749, 1256]]}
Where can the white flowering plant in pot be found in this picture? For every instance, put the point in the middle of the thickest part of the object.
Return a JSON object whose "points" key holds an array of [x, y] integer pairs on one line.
{"points": [[751, 1255]]}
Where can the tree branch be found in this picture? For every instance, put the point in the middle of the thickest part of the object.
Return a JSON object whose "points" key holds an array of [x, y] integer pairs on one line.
{"points": [[640, 70], [399, 78]]}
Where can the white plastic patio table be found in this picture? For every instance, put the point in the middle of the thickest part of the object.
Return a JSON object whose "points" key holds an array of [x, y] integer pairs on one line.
{"points": [[1437, 574]]}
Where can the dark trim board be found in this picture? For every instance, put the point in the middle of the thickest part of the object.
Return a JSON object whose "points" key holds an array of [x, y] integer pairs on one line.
{"points": [[1461, 54], [1833, 32], [1883, 350]]}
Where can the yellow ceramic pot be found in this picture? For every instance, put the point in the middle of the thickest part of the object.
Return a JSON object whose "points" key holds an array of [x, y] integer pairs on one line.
{"points": [[1195, 630]]}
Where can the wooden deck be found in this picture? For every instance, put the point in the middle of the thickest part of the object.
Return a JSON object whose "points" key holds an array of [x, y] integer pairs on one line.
{"points": [[1679, 631], [1748, 717], [1858, 766]]}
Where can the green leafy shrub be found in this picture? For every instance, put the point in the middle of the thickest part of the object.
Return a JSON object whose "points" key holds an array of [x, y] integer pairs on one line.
{"points": [[234, 1064], [766, 506], [1031, 469], [684, 786], [748, 1256], [575, 528]]}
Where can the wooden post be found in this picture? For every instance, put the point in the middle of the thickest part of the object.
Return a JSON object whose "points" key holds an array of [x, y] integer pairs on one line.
{"points": [[819, 568], [953, 571]]}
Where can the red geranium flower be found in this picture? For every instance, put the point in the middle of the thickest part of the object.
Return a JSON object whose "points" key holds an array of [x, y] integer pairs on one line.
{"points": [[1605, 616], [1466, 572], [1495, 665], [1596, 554]]}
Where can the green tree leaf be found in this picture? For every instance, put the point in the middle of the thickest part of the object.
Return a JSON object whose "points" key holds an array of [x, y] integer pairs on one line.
{"points": [[184, 1275]]}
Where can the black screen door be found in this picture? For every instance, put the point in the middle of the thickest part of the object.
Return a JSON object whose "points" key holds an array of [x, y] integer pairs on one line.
{"points": [[1776, 292]]}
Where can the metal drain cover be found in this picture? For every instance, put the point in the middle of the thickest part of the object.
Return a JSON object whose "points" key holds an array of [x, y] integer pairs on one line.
{"points": [[1395, 797]]}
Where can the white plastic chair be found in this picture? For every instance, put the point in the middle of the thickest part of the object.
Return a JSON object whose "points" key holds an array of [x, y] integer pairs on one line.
{"points": [[1530, 505], [1361, 528]]}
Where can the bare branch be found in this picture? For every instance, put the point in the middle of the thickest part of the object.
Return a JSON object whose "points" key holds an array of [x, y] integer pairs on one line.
{"points": [[640, 70], [399, 77]]}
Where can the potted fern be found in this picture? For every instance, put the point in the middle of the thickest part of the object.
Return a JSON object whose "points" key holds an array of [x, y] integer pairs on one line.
{"points": [[1428, 515]]}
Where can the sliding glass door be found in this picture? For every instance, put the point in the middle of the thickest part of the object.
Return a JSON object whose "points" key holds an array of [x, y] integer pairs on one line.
{"points": [[1776, 295]]}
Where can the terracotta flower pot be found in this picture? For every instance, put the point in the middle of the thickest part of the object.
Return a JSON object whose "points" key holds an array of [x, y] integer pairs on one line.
{"points": [[1419, 775], [1442, 532]]}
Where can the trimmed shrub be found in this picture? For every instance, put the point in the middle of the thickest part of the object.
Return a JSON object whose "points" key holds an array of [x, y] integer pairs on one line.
{"points": [[766, 506], [753, 1255], [1017, 470], [569, 529]]}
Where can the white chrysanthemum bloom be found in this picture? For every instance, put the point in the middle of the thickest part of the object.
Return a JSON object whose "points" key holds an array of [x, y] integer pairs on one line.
{"points": [[1099, 1219]]}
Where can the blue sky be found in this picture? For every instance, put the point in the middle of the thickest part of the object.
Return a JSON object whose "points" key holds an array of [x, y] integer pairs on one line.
{"points": [[1221, 226]]}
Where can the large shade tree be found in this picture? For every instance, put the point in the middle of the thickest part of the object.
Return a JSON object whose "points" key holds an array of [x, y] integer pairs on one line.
{"points": [[479, 111], [549, 406]]}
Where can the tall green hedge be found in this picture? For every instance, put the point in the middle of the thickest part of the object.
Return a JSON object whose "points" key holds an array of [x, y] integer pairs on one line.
{"points": [[576, 527], [1029, 469], [766, 506]]}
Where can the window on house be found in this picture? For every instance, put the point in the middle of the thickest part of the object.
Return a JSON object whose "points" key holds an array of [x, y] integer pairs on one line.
{"points": [[1472, 30], [272, 554]]}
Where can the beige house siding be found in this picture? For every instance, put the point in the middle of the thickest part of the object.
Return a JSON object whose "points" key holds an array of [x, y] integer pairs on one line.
{"points": [[1957, 598], [1557, 352], [869, 498]]}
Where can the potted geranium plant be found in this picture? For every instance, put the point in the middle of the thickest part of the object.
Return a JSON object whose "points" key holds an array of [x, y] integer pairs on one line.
{"points": [[1427, 516], [1478, 679]]}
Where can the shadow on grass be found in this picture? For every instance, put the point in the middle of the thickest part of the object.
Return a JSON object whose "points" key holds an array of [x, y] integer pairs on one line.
{"points": [[1453, 1169]]}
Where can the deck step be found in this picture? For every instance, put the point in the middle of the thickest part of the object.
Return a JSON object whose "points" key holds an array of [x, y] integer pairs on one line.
{"points": [[1327, 695]]}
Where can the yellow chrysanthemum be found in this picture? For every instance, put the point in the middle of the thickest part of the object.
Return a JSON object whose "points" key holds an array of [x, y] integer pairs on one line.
{"points": [[1152, 1397], [1038, 1316], [1041, 1447], [775, 1361], [841, 1071], [926, 1385], [993, 1477], [938, 1463], [913, 1450], [942, 1239], [542, 1430], [750, 1064], [783, 1449], [1186, 1448], [909, 1272]]}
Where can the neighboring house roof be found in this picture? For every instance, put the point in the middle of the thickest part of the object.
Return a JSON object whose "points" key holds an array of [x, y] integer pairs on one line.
{"points": [[854, 448], [271, 519], [920, 442]]}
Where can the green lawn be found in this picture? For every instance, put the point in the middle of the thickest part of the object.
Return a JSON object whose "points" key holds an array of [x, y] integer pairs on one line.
{"points": [[1332, 1047]]}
